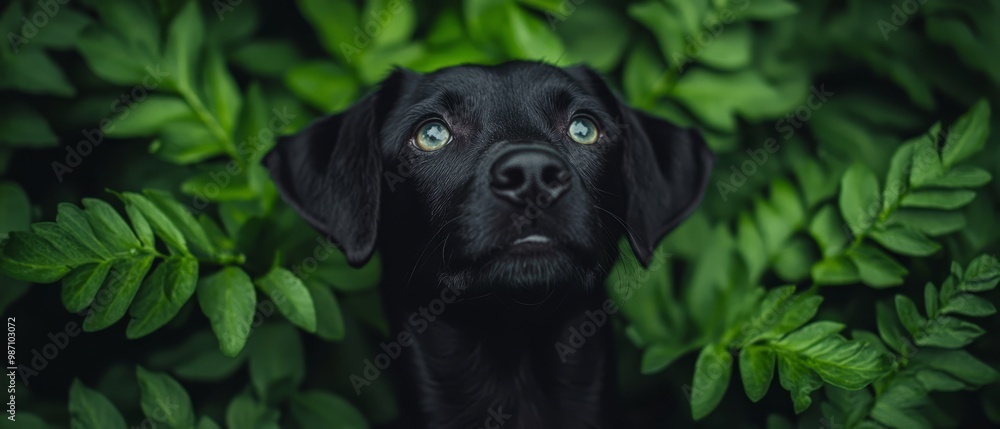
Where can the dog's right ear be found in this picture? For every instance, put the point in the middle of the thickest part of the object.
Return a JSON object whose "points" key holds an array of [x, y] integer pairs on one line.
{"points": [[330, 171]]}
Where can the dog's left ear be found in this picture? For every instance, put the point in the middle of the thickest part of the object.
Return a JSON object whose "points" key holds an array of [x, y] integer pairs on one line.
{"points": [[330, 171], [665, 169]]}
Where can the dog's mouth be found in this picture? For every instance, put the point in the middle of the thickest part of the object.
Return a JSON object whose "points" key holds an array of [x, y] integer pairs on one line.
{"points": [[532, 239]]}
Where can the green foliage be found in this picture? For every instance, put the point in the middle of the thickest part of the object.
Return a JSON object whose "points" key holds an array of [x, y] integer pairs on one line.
{"points": [[828, 181]]}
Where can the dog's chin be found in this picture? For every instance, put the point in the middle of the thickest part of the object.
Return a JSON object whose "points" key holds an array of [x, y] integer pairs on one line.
{"points": [[529, 266], [528, 274]]}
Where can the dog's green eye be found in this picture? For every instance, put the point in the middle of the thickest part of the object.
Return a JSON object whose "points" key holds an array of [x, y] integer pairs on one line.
{"points": [[433, 136], [583, 131]]}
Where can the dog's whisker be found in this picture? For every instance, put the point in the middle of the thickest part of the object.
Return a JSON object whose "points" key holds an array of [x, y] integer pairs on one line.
{"points": [[628, 229], [413, 271]]}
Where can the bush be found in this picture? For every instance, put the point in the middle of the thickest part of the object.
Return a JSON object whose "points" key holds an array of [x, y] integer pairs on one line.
{"points": [[855, 163]]}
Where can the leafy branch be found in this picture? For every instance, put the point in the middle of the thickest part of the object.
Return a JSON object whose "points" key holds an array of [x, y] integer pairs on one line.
{"points": [[927, 351], [924, 186], [775, 333], [165, 401]]}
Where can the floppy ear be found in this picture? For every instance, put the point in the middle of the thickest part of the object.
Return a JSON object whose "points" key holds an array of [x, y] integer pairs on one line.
{"points": [[330, 171], [665, 170]]}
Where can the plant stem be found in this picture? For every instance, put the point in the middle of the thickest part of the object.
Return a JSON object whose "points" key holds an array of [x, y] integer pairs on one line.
{"points": [[209, 120]]}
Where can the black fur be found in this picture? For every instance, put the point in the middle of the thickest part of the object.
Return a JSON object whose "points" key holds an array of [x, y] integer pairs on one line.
{"points": [[441, 225]]}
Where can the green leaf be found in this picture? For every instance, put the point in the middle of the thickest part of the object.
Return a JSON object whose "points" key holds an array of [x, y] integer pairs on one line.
{"points": [[750, 244], [320, 410], [162, 295], [756, 370], [30, 258], [254, 118], [798, 380], [948, 200], [164, 399], [228, 299], [876, 268], [243, 412], [329, 320], [337, 273], [33, 71], [642, 70], [277, 366], [530, 38], [926, 161], [151, 117], [184, 39], [73, 252], [962, 177], [206, 422], [198, 359], [182, 219], [905, 241], [982, 274], [828, 231], [854, 403], [224, 96], [282, 54], [397, 20], [969, 305], [968, 135], [859, 198], [938, 381], [780, 313], [794, 260], [597, 36], [120, 288], [711, 379], [322, 84], [335, 23], [809, 335], [109, 57], [769, 9], [89, 409], [186, 142], [657, 357], [291, 297], [136, 22], [930, 222], [947, 332], [891, 330], [73, 220], [931, 299], [80, 286], [731, 50], [898, 178], [837, 270], [162, 225], [109, 226], [141, 226], [62, 30], [897, 417], [843, 363], [909, 315], [24, 127], [959, 364]]}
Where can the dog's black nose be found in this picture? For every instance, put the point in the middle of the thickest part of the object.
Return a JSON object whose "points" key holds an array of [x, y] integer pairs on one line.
{"points": [[524, 175]]}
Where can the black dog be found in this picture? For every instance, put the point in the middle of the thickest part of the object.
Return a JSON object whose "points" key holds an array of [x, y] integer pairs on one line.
{"points": [[500, 192]]}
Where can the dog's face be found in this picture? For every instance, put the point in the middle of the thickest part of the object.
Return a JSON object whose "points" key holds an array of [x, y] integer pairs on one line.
{"points": [[518, 176]]}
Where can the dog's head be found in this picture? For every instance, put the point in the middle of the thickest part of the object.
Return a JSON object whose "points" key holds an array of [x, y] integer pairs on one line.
{"points": [[521, 175]]}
